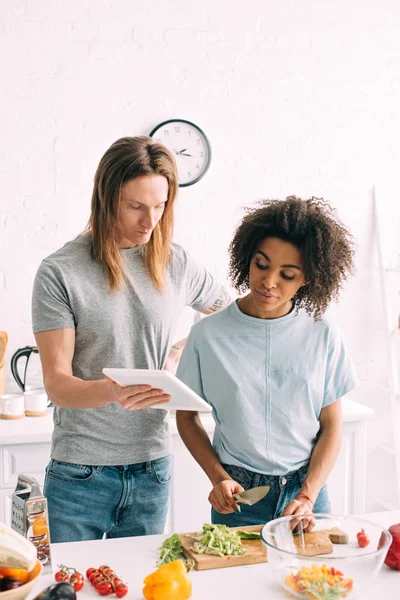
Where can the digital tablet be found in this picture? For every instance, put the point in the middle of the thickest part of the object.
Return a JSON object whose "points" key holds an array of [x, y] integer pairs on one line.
{"points": [[182, 397]]}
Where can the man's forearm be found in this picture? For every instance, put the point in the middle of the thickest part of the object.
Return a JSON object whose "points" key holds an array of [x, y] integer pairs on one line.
{"points": [[322, 461], [68, 391], [198, 443]]}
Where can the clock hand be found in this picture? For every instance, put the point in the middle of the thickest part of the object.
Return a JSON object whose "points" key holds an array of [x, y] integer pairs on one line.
{"points": [[181, 151], [184, 154]]}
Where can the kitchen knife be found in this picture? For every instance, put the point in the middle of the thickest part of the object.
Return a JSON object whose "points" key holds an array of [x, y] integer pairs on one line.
{"points": [[252, 496]]}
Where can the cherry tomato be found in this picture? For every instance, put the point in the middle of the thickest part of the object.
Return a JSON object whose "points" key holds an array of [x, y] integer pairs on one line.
{"points": [[116, 582], [93, 575], [77, 581], [362, 538], [89, 571], [121, 591], [61, 576], [104, 588], [97, 580], [103, 568], [108, 573]]}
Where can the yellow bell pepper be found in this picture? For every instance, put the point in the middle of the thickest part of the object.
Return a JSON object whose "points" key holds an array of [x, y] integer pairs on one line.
{"points": [[169, 582]]}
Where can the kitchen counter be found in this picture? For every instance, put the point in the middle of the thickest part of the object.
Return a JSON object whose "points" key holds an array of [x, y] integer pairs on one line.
{"points": [[34, 430], [25, 447], [134, 558]]}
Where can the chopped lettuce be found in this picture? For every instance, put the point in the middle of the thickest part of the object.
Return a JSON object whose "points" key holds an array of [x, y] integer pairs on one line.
{"points": [[171, 549], [218, 540]]}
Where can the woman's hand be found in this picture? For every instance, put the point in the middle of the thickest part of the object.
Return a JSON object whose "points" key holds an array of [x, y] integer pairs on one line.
{"points": [[136, 397], [221, 496], [300, 506]]}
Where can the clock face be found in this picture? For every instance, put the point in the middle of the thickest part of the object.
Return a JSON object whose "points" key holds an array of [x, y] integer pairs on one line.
{"points": [[189, 146]]}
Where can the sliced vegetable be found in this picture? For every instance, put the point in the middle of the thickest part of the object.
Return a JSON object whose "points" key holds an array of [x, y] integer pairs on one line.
{"points": [[219, 540], [15, 550], [319, 582], [248, 535], [171, 549], [169, 582]]}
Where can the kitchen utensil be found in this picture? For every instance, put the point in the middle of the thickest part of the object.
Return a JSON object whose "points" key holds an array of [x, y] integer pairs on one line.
{"points": [[30, 517], [255, 553], [252, 496], [32, 377], [293, 557], [3, 347]]}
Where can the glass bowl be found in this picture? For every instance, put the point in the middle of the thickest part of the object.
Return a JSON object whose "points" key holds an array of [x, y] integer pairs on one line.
{"points": [[314, 566]]}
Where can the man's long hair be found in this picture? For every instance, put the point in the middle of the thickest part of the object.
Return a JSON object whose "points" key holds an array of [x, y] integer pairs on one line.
{"points": [[127, 158]]}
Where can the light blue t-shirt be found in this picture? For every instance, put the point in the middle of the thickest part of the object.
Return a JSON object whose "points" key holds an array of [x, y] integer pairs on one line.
{"points": [[267, 381]]}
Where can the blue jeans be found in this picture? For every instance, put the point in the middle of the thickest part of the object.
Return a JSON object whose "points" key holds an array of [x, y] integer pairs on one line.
{"points": [[282, 490], [86, 502]]}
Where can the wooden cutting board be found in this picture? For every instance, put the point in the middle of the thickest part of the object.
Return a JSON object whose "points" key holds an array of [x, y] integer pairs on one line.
{"points": [[311, 544], [255, 552]]}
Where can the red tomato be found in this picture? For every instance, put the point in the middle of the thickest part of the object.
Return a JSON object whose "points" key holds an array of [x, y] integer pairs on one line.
{"points": [[362, 538], [104, 588], [77, 581], [89, 571], [103, 567], [97, 580], [61, 576], [108, 573], [116, 581], [121, 591]]}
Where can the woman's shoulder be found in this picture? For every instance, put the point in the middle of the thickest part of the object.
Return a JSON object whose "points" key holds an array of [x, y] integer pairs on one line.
{"points": [[325, 324], [214, 325]]}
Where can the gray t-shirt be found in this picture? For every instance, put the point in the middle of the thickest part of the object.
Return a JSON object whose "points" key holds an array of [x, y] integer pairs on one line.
{"points": [[132, 328]]}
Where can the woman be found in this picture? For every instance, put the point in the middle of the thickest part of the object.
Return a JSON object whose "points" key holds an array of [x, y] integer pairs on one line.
{"points": [[271, 366], [112, 298]]}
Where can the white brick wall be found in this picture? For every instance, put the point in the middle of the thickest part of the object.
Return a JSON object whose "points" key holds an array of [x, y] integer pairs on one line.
{"points": [[296, 96]]}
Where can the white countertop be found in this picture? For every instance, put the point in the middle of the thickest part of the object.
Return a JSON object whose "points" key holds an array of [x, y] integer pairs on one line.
{"points": [[36, 430], [134, 558]]}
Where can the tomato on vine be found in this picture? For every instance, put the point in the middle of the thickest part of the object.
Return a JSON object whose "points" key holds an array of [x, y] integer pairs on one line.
{"points": [[362, 539], [121, 590], [70, 575]]}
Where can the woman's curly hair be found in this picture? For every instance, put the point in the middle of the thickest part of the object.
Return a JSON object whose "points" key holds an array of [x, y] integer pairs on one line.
{"points": [[326, 245]]}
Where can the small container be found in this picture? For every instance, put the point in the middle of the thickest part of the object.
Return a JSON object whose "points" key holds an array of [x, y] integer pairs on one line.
{"points": [[12, 406]]}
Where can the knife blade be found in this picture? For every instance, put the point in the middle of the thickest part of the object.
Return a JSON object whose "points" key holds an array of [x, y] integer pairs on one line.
{"points": [[252, 496]]}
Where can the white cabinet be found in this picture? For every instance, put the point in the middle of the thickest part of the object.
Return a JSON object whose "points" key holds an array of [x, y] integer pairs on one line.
{"points": [[25, 447]]}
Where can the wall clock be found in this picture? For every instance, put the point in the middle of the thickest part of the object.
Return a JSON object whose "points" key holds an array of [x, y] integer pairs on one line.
{"points": [[189, 145]]}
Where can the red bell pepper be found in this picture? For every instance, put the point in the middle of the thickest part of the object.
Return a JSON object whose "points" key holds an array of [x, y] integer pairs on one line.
{"points": [[392, 559]]}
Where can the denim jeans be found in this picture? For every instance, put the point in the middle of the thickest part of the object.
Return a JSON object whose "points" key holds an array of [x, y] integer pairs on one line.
{"points": [[282, 489], [86, 502]]}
